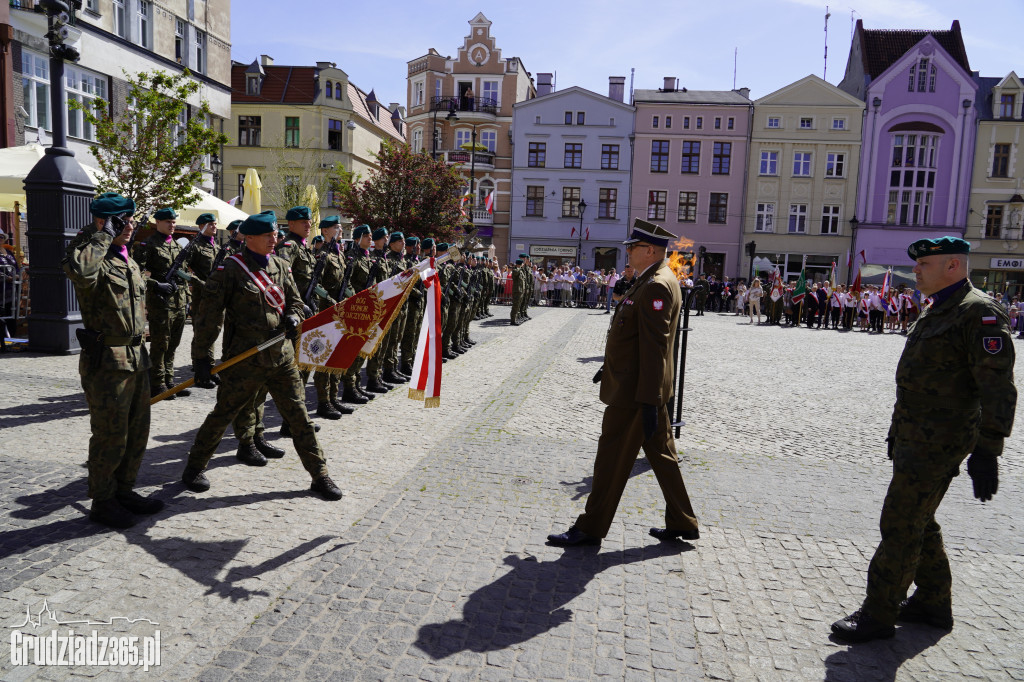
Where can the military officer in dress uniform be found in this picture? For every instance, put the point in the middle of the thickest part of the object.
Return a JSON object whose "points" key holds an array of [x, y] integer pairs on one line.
{"points": [[256, 298], [166, 302], [114, 362], [204, 252], [954, 396], [637, 387]]}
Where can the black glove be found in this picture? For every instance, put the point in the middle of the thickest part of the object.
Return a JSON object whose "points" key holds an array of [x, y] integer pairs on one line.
{"points": [[291, 326], [165, 288], [307, 312], [983, 468], [597, 377], [650, 420], [203, 377], [113, 226], [890, 443]]}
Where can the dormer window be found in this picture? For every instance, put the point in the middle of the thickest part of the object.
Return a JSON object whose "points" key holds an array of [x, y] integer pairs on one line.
{"points": [[252, 84], [922, 76], [329, 90], [337, 91], [1006, 105]]}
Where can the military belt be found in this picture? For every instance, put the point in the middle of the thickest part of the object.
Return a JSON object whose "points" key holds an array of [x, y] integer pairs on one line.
{"points": [[915, 399]]}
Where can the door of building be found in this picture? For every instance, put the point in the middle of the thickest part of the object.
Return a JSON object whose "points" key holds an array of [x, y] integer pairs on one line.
{"points": [[714, 264], [605, 258]]}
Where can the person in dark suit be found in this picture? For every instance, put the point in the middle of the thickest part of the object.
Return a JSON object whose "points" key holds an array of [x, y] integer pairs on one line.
{"points": [[637, 387]]}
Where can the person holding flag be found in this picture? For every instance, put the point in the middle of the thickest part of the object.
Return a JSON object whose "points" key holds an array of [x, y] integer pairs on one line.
{"points": [[257, 299]]}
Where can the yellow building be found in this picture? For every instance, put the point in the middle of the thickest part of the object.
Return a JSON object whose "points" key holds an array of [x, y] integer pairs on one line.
{"points": [[294, 124], [802, 178], [997, 197]]}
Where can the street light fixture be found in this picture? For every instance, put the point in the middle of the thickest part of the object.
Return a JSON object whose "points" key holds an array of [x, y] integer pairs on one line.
{"points": [[451, 117], [215, 166], [581, 207]]}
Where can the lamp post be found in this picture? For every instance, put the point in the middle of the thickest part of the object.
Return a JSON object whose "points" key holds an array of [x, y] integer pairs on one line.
{"points": [[854, 224], [451, 117], [215, 165], [57, 192], [472, 170], [581, 207]]}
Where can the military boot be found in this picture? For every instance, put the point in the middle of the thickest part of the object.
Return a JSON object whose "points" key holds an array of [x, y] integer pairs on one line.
{"points": [[137, 504], [195, 480], [111, 513], [407, 370], [248, 454], [327, 488], [916, 611], [327, 411], [351, 395], [359, 391], [157, 389], [375, 385], [184, 393], [392, 378], [860, 626], [266, 449], [341, 407]]}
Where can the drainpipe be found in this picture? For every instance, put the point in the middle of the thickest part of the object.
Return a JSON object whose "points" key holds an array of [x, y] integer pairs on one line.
{"points": [[956, 197]]}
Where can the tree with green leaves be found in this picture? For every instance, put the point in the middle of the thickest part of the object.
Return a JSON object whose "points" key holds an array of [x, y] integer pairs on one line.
{"points": [[146, 146], [293, 170], [408, 192]]}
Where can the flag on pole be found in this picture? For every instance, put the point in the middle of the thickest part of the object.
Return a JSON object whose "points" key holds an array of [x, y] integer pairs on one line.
{"points": [[801, 288], [832, 277], [856, 287], [233, 202], [426, 371], [489, 203], [572, 232], [885, 284], [777, 292], [587, 234]]}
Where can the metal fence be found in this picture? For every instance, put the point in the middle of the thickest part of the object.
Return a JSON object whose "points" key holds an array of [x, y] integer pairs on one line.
{"points": [[10, 299]]}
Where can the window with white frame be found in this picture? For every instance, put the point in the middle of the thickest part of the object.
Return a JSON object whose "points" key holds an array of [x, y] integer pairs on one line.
{"points": [[92, 5], [437, 87], [417, 141], [830, 219], [656, 200], [144, 24], [489, 139], [120, 19], [82, 86], [912, 178], [179, 128], [806, 123], [839, 124], [801, 163], [774, 122], [797, 218], [200, 65], [765, 221], [490, 93], [418, 89], [462, 137], [180, 51], [35, 82], [835, 165], [687, 207], [769, 163], [922, 76]]}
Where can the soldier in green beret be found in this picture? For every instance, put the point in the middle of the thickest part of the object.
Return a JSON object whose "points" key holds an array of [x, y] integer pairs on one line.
{"points": [[256, 298], [954, 397], [362, 266], [416, 305], [200, 260], [381, 270], [114, 362], [516, 313], [328, 384], [166, 302], [392, 342]]}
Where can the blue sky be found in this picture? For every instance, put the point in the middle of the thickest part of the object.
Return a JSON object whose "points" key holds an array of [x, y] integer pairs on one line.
{"points": [[778, 41]]}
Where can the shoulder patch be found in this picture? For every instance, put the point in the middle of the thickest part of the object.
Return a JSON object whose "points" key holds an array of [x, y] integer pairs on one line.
{"points": [[992, 344], [657, 304], [989, 319]]}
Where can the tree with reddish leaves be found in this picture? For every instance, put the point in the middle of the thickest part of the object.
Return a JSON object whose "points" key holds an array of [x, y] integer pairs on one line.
{"points": [[409, 193]]}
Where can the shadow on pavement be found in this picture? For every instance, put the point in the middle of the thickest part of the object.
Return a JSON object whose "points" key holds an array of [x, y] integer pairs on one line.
{"points": [[596, 358], [583, 486], [529, 600], [879, 661], [44, 410]]}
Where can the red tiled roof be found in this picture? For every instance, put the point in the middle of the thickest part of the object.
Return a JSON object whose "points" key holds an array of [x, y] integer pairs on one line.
{"points": [[360, 109], [880, 48], [284, 84]]}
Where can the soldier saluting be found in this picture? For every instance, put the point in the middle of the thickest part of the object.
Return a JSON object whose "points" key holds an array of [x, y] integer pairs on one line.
{"points": [[954, 396], [257, 298], [114, 362]]}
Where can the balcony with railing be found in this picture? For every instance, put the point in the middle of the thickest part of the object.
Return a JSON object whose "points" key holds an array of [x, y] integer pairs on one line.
{"points": [[481, 216], [463, 157], [469, 108]]}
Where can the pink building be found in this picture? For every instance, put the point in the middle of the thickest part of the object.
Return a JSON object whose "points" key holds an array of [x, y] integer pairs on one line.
{"points": [[689, 168]]}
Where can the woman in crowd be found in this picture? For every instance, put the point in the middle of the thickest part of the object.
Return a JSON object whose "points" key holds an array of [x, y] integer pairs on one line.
{"points": [[754, 295]]}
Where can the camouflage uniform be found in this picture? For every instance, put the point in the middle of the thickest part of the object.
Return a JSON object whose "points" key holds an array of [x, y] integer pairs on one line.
{"points": [[110, 290], [362, 267], [517, 293], [166, 317], [393, 339], [248, 321], [416, 305], [327, 383], [200, 262], [954, 395]]}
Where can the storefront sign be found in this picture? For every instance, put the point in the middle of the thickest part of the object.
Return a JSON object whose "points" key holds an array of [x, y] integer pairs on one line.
{"points": [[560, 251], [1007, 264]]}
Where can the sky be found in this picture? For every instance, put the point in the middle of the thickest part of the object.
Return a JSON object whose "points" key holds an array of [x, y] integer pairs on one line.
{"points": [[776, 42]]}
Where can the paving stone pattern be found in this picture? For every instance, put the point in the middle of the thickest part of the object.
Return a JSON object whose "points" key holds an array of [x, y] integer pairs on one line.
{"points": [[434, 565]]}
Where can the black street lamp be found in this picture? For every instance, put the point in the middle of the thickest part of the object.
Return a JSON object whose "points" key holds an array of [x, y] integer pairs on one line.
{"points": [[854, 224], [582, 206], [215, 166], [451, 117], [58, 193]]}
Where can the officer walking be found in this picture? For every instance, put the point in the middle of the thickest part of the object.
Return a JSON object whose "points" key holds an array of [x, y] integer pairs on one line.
{"points": [[954, 396], [256, 298], [114, 362], [200, 260]]}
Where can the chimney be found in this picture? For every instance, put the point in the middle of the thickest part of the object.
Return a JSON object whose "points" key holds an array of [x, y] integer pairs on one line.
{"points": [[394, 108], [616, 87], [544, 86], [745, 92], [671, 82], [266, 60], [325, 65]]}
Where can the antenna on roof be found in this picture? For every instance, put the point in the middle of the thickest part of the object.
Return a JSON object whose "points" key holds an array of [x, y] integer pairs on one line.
{"points": [[825, 70], [632, 72], [853, 22], [735, 56]]}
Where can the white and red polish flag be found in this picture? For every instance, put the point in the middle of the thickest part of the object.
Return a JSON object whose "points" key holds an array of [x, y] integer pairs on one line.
{"points": [[426, 371]]}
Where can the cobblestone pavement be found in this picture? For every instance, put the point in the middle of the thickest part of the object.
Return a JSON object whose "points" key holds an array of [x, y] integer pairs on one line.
{"points": [[434, 565]]}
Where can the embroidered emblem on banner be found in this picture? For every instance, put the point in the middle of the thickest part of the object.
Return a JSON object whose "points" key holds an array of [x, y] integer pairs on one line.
{"points": [[317, 347], [657, 304], [992, 344]]}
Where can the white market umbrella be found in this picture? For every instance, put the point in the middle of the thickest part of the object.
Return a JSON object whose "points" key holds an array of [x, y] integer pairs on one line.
{"points": [[222, 210], [252, 189], [15, 164]]}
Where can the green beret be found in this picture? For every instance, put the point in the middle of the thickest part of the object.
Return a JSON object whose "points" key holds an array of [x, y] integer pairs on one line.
{"points": [[298, 213], [165, 214], [380, 233], [318, 239], [234, 224], [442, 247], [206, 218], [524, 255], [360, 231], [412, 241], [330, 221], [519, 261], [937, 247], [396, 237], [261, 223], [281, 232], [427, 243], [111, 203]]}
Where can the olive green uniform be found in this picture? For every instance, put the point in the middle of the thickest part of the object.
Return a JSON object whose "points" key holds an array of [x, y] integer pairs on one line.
{"points": [[249, 320], [393, 339], [362, 266], [166, 315], [954, 395], [416, 305], [302, 261], [375, 364], [200, 262], [327, 383], [114, 375]]}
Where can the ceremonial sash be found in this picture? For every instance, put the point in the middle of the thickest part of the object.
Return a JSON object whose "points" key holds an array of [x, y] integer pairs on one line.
{"points": [[272, 292]]}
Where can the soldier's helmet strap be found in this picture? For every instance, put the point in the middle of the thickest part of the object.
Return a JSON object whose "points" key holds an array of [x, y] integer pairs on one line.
{"points": [[272, 292]]}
